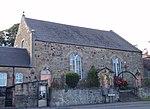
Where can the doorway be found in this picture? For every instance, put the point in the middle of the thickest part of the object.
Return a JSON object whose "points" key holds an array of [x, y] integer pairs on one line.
{"points": [[43, 95]]}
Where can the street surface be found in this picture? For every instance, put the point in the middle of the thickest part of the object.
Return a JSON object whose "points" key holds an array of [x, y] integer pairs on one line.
{"points": [[116, 107], [125, 105], [122, 106]]}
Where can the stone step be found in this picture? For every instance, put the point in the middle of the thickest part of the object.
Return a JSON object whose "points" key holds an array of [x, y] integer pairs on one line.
{"points": [[128, 97]]}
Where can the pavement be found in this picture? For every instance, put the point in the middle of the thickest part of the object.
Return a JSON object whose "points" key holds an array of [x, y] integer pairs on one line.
{"points": [[97, 105]]}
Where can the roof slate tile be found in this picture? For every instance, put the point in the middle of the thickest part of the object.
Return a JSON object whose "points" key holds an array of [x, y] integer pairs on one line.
{"points": [[14, 57], [62, 33]]}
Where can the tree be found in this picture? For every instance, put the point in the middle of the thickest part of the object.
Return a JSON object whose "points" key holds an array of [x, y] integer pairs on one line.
{"points": [[93, 80], [7, 37], [2, 41]]}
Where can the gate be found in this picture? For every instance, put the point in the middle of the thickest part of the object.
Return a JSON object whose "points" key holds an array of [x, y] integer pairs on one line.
{"points": [[131, 79], [9, 97], [130, 94], [43, 93]]}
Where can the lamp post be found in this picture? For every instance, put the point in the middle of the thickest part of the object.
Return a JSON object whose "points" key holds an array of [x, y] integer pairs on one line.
{"points": [[125, 67]]}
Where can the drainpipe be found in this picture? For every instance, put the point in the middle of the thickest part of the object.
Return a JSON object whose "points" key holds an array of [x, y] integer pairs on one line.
{"points": [[13, 89], [13, 82]]}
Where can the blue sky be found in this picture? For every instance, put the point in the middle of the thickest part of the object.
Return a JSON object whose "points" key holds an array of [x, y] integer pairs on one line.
{"points": [[128, 18]]}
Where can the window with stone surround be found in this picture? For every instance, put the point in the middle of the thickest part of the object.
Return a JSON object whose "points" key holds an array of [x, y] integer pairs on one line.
{"points": [[75, 64], [116, 65], [3, 79], [19, 78]]}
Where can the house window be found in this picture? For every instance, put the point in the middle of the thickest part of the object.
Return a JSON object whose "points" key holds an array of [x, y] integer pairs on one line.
{"points": [[76, 65], [19, 78], [3, 79], [116, 66]]}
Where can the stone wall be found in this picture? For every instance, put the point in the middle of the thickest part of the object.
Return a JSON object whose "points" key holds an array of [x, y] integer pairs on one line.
{"points": [[25, 39], [56, 57], [2, 96], [24, 36], [2, 101], [26, 95], [146, 62], [143, 92], [25, 71], [146, 73], [79, 97]]}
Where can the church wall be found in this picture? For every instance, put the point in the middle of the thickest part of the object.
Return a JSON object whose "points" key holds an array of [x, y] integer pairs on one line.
{"points": [[23, 35], [56, 57], [25, 38]]}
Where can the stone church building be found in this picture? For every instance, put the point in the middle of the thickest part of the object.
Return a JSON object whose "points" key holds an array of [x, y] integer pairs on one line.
{"points": [[60, 48], [47, 50]]}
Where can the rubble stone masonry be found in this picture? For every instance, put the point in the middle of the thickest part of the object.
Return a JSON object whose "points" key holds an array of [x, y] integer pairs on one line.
{"points": [[55, 56]]}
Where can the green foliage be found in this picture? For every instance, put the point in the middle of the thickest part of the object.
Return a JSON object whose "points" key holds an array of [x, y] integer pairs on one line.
{"points": [[93, 80], [13, 30], [9, 38], [11, 41], [1, 40], [147, 99], [146, 81], [72, 79]]}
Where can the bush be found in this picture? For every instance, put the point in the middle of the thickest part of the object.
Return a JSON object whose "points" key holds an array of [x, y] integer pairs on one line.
{"points": [[72, 79], [93, 80], [146, 82]]}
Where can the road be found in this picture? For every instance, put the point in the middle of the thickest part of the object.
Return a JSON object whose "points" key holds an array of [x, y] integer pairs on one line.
{"points": [[126, 105]]}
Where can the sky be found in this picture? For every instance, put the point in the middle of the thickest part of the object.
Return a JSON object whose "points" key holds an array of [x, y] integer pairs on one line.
{"points": [[128, 18]]}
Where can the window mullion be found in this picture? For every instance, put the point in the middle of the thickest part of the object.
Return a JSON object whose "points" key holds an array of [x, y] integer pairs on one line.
{"points": [[80, 68], [116, 66], [75, 64]]}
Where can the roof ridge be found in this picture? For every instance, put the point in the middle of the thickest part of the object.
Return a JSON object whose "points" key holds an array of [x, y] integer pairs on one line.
{"points": [[11, 47], [69, 25]]}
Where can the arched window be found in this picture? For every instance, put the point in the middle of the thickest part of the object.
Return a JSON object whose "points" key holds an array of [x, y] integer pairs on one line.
{"points": [[116, 66], [3, 79], [75, 64], [19, 78]]}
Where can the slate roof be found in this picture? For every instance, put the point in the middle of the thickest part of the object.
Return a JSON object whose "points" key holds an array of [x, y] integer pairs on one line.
{"points": [[62, 33], [14, 57]]}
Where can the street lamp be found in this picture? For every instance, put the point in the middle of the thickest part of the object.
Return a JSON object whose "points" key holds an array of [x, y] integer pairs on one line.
{"points": [[125, 65]]}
